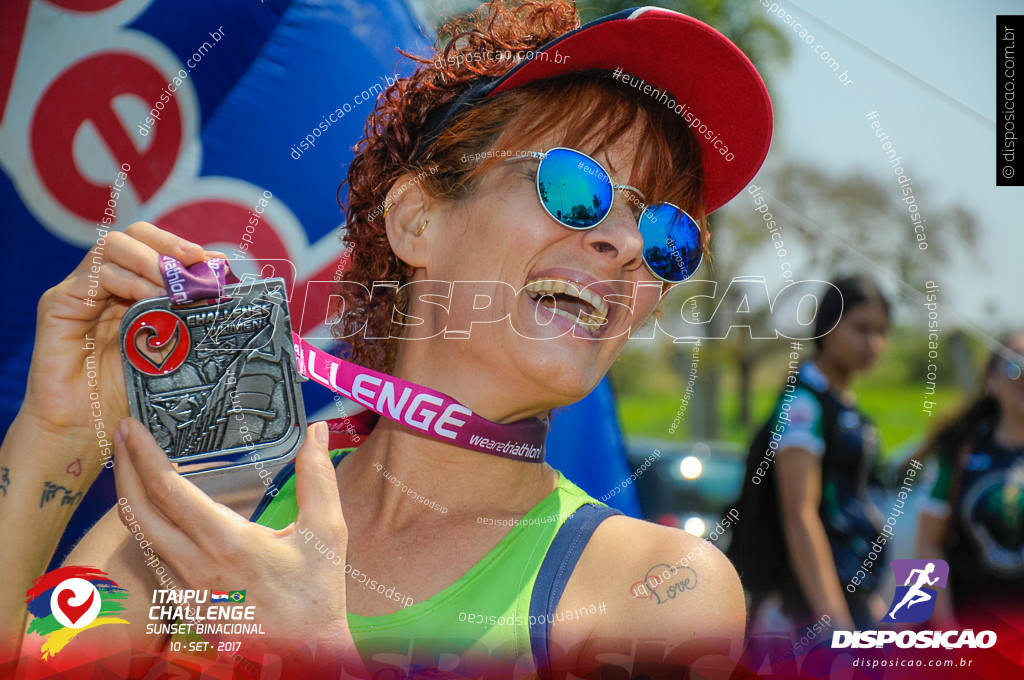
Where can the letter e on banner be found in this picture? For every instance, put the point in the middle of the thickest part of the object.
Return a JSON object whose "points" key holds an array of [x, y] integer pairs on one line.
{"points": [[85, 93]]}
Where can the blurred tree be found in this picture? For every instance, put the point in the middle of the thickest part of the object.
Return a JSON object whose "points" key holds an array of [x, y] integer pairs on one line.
{"points": [[871, 213], [863, 212]]}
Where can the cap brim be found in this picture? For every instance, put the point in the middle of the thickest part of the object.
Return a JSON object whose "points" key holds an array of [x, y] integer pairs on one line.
{"points": [[716, 89]]}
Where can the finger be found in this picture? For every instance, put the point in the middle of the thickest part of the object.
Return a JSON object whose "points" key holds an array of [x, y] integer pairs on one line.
{"points": [[120, 282], [136, 256], [167, 538], [316, 484], [166, 243], [180, 501], [83, 297]]}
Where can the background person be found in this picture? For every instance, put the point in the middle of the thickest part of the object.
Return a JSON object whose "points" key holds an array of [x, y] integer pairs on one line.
{"points": [[974, 515], [815, 520], [487, 222]]}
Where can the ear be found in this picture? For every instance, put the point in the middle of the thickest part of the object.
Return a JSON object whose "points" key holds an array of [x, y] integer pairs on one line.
{"points": [[410, 208]]}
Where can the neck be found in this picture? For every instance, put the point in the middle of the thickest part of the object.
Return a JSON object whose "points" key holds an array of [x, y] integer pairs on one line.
{"points": [[1010, 431], [490, 396], [464, 482], [839, 376]]}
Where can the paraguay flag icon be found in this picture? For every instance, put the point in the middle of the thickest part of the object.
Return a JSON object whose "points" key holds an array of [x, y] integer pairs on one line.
{"points": [[66, 601]]}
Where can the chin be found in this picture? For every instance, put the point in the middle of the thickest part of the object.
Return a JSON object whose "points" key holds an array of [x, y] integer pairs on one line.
{"points": [[563, 377]]}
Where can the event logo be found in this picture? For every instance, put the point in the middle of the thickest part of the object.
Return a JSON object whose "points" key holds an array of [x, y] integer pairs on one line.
{"points": [[157, 343], [68, 600], [914, 601]]}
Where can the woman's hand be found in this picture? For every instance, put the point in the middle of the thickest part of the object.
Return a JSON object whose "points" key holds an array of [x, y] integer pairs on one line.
{"points": [[80, 318], [298, 593]]}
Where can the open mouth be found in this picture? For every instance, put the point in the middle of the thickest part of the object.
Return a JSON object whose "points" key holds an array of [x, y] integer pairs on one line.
{"points": [[570, 300]]}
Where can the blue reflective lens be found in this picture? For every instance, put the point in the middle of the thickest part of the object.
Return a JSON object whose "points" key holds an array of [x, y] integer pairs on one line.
{"points": [[573, 188], [1014, 370], [672, 244]]}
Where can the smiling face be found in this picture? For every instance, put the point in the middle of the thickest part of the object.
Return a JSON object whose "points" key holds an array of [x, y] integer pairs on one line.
{"points": [[562, 302], [511, 312]]}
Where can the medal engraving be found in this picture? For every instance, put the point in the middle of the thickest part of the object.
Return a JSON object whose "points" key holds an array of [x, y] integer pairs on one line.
{"points": [[216, 384]]}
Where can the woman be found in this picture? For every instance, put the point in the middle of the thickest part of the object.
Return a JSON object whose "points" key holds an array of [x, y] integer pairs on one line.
{"points": [[824, 457], [807, 477], [972, 517], [474, 159]]}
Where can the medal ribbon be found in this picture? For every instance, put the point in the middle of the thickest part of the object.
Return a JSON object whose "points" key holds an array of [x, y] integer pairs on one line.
{"points": [[433, 413]]}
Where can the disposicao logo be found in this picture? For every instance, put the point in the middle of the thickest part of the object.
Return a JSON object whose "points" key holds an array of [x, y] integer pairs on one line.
{"points": [[914, 602], [68, 600]]}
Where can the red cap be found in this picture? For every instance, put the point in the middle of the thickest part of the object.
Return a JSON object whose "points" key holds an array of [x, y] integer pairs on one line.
{"points": [[716, 89], [701, 69]]}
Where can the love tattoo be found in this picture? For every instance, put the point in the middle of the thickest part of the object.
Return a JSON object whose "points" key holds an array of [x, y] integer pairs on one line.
{"points": [[664, 582]]}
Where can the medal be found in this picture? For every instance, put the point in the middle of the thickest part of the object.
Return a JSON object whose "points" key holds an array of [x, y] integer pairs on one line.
{"points": [[151, 341], [216, 381]]}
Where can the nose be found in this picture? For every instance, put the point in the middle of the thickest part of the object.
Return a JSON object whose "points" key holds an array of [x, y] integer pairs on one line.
{"points": [[617, 241]]}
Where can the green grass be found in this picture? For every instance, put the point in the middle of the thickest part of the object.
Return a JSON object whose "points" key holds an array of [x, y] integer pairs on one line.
{"points": [[895, 410], [649, 393]]}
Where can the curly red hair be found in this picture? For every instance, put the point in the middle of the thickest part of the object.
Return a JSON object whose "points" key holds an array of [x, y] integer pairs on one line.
{"points": [[667, 164]]}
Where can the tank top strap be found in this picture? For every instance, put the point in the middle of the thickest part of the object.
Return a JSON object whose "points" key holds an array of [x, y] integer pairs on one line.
{"points": [[554, 574]]}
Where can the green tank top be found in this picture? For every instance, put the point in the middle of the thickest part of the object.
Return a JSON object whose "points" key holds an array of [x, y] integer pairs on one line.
{"points": [[482, 617]]}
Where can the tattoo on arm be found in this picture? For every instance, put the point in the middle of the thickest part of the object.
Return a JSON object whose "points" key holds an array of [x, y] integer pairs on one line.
{"points": [[5, 479], [51, 491], [664, 582]]}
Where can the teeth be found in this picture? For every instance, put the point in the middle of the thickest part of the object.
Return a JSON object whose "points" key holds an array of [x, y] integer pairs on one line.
{"points": [[592, 322]]}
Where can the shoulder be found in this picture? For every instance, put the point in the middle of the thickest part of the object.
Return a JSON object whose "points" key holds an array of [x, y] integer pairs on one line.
{"points": [[656, 583], [804, 405], [798, 421]]}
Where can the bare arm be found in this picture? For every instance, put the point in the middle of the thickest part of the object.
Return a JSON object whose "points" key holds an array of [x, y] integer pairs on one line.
{"points": [[691, 613], [33, 520], [799, 485], [74, 398]]}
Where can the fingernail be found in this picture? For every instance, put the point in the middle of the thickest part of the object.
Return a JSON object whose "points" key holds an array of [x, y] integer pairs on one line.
{"points": [[320, 432], [121, 432]]}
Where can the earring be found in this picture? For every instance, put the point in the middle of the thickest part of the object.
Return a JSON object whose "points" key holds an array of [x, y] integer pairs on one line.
{"points": [[386, 209], [423, 228]]}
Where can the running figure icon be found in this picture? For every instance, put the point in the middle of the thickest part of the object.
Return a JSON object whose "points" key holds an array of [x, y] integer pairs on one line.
{"points": [[915, 594]]}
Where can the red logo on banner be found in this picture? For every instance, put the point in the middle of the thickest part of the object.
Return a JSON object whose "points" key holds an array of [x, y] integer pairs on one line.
{"points": [[157, 343]]}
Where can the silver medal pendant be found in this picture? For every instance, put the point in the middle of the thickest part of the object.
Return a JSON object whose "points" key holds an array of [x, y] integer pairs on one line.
{"points": [[216, 384]]}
